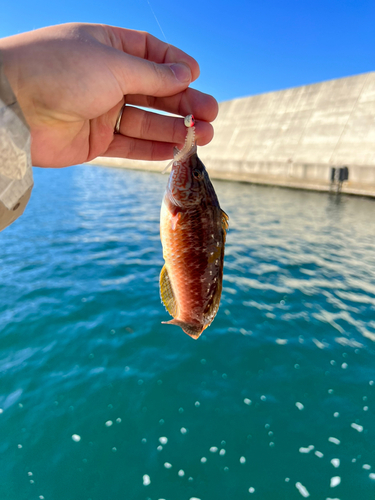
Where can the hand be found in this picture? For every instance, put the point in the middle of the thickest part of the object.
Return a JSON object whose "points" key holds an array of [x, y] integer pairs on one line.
{"points": [[71, 81]]}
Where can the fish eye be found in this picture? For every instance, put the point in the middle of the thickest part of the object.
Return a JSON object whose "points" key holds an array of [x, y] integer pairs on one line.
{"points": [[197, 174]]}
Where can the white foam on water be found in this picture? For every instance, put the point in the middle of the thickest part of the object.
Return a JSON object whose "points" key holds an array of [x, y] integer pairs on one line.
{"points": [[334, 440], [181, 473], [242, 460], [299, 405], [76, 438], [281, 341], [183, 430], [357, 427], [29, 473], [366, 466], [19, 446], [222, 452], [319, 454], [203, 460], [319, 344], [159, 448], [247, 401], [344, 366], [302, 490], [335, 481], [108, 423], [336, 414], [197, 404], [146, 480], [371, 476], [213, 449], [194, 498], [163, 440], [251, 490], [1, 411], [167, 465], [306, 450], [335, 462]]}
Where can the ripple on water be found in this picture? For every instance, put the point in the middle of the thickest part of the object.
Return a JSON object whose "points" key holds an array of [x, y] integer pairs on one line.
{"points": [[97, 396]]}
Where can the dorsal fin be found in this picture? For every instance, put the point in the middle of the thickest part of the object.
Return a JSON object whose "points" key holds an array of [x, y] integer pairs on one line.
{"points": [[166, 292]]}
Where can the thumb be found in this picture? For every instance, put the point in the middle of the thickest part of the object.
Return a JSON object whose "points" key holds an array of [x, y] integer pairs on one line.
{"points": [[140, 76]]}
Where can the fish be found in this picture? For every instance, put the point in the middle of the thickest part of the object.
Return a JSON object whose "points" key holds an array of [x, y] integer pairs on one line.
{"points": [[193, 231]]}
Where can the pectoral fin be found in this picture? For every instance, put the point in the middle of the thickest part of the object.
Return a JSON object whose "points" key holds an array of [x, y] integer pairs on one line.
{"points": [[166, 292]]}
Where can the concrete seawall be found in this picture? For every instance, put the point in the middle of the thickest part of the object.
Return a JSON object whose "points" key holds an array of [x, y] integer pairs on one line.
{"points": [[293, 137]]}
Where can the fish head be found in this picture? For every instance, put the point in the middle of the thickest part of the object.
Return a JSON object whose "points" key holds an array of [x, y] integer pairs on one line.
{"points": [[189, 184]]}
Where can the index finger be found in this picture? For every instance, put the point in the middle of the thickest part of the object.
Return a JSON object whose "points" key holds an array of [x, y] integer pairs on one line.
{"points": [[142, 44]]}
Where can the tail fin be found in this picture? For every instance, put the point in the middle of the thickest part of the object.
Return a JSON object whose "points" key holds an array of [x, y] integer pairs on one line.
{"points": [[193, 330]]}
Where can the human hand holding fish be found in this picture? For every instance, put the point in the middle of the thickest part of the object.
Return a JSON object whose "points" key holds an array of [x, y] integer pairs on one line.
{"points": [[72, 81]]}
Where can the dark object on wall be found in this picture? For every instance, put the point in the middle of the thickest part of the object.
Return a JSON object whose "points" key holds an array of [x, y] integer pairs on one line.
{"points": [[338, 176]]}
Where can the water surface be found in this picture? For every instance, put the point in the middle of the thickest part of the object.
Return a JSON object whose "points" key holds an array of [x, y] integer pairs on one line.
{"points": [[276, 400]]}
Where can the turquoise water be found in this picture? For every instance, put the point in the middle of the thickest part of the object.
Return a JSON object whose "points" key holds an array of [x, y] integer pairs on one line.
{"points": [[276, 400]]}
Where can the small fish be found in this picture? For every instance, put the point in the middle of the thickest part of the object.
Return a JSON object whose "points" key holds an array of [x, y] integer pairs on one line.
{"points": [[193, 230]]}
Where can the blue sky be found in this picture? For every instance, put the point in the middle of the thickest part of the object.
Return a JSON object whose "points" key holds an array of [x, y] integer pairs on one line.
{"points": [[243, 47]]}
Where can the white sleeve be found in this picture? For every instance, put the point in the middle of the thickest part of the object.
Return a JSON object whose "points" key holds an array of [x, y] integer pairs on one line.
{"points": [[16, 178]]}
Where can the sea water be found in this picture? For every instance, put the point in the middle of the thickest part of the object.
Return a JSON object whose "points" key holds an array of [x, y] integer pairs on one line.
{"points": [[100, 401]]}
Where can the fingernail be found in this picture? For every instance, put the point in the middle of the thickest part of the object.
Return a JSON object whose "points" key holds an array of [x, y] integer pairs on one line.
{"points": [[182, 72]]}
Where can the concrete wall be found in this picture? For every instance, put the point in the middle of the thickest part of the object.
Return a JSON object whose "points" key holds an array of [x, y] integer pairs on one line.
{"points": [[293, 137]]}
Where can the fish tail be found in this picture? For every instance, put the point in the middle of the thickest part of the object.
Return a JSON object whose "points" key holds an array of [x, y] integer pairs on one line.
{"points": [[193, 330]]}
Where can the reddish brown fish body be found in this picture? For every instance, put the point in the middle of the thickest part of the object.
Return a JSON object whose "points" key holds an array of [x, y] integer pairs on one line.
{"points": [[193, 230]]}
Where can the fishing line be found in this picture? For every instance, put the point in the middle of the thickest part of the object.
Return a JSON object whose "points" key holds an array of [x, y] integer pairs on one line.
{"points": [[156, 19]]}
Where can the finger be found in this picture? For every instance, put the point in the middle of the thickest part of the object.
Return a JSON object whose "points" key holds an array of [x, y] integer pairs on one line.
{"points": [[141, 124], [146, 46], [138, 149], [202, 106]]}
